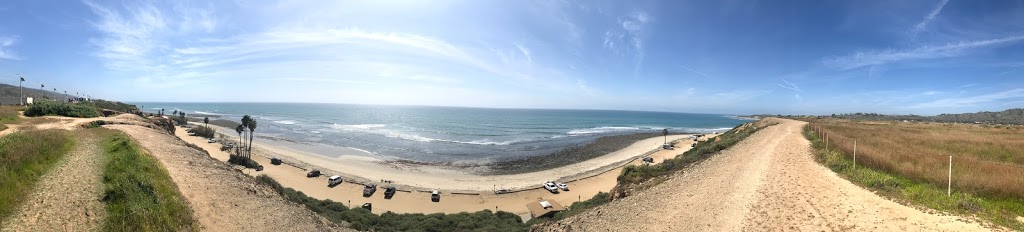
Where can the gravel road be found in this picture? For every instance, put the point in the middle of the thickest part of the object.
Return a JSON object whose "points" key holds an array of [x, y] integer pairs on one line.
{"points": [[768, 182]]}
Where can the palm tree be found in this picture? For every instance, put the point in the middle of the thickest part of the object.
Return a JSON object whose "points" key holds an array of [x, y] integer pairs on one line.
{"points": [[206, 121], [239, 129], [665, 133], [252, 127], [245, 124], [175, 112]]}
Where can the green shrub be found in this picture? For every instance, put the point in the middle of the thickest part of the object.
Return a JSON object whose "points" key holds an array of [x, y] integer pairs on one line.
{"points": [[362, 219], [203, 131], [113, 105], [42, 108], [139, 194], [24, 158], [242, 160]]}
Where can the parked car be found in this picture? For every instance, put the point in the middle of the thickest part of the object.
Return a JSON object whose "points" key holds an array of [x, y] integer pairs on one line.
{"points": [[275, 161], [649, 159], [314, 173], [259, 167], [333, 181], [211, 141], [389, 192], [369, 189], [551, 187], [368, 206], [435, 196], [667, 146], [563, 186]]}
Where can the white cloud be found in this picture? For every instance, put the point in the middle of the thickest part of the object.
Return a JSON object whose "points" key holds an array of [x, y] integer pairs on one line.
{"points": [[974, 101], [5, 43], [920, 26], [630, 31], [790, 86], [525, 51], [695, 71], [870, 58]]}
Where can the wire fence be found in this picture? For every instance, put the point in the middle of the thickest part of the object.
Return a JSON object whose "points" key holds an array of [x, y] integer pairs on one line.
{"points": [[926, 161]]}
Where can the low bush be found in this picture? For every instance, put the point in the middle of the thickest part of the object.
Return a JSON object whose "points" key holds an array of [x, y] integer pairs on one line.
{"points": [[24, 158], [139, 193], [42, 108], [364, 220], [203, 131], [242, 160]]}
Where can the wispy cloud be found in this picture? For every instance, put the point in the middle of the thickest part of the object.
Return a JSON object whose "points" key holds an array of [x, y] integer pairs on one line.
{"points": [[695, 71], [880, 57], [628, 36], [790, 86], [921, 26], [5, 43], [128, 38], [959, 102]]}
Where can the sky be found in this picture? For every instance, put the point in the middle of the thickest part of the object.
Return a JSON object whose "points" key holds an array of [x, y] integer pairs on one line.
{"points": [[737, 57]]}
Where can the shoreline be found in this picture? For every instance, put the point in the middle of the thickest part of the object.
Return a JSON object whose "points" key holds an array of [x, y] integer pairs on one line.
{"points": [[461, 192], [357, 164]]}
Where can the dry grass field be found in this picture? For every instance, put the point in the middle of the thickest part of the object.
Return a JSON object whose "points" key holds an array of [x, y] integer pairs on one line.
{"points": [[986, 159], [910, 161]]}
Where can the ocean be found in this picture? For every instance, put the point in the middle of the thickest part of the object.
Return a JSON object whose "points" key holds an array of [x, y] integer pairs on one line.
{"points": [[447, 134]]}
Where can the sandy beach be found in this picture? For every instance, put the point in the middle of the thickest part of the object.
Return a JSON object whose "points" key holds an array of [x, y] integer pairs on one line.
{"points": [[461, 191]]}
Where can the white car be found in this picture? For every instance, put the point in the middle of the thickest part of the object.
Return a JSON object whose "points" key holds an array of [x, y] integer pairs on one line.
{"points": [[551, 187], [334, 181], [563, 186]]}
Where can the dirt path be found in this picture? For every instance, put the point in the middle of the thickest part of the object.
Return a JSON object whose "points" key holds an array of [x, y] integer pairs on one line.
{"points": [[223, 199], [67, 198], [769, 181]]}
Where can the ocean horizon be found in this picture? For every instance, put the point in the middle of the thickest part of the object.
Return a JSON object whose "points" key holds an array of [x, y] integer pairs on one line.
{"points": [[446, 134]]}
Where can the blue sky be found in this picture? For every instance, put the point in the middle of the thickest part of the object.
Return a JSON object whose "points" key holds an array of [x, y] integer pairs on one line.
{"points": [[789, 57]]}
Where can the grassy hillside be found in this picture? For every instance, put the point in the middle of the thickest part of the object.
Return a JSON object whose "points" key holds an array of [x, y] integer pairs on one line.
{"points": [[910, 161], [24, 158], [13, 92], [140, 195]]}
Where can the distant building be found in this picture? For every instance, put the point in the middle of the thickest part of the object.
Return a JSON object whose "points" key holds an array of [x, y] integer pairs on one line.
{"points": [[544, 208]]}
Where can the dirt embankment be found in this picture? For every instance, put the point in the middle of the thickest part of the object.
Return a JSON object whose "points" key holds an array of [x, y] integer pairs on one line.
{"points": [[769, 181], [222, 198]]}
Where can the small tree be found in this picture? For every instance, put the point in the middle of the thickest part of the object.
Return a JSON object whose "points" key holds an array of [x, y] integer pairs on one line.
{"points": [[238, 148], [206, 121], [252, 128], [245, 125]]}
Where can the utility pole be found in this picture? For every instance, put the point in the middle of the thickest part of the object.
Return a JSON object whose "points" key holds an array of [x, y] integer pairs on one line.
{"points": [[22, 91]]}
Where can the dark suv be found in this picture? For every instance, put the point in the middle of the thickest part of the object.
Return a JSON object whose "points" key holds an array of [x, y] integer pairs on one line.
{"points": [[369, 189]]}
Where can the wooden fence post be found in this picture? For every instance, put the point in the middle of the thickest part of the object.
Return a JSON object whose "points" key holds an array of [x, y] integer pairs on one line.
{"points": [[949, 186]]}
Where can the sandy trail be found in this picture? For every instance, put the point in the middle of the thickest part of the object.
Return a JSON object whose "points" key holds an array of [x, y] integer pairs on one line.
{"points": [[769, 181], [223, 199], [68, 198]]}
